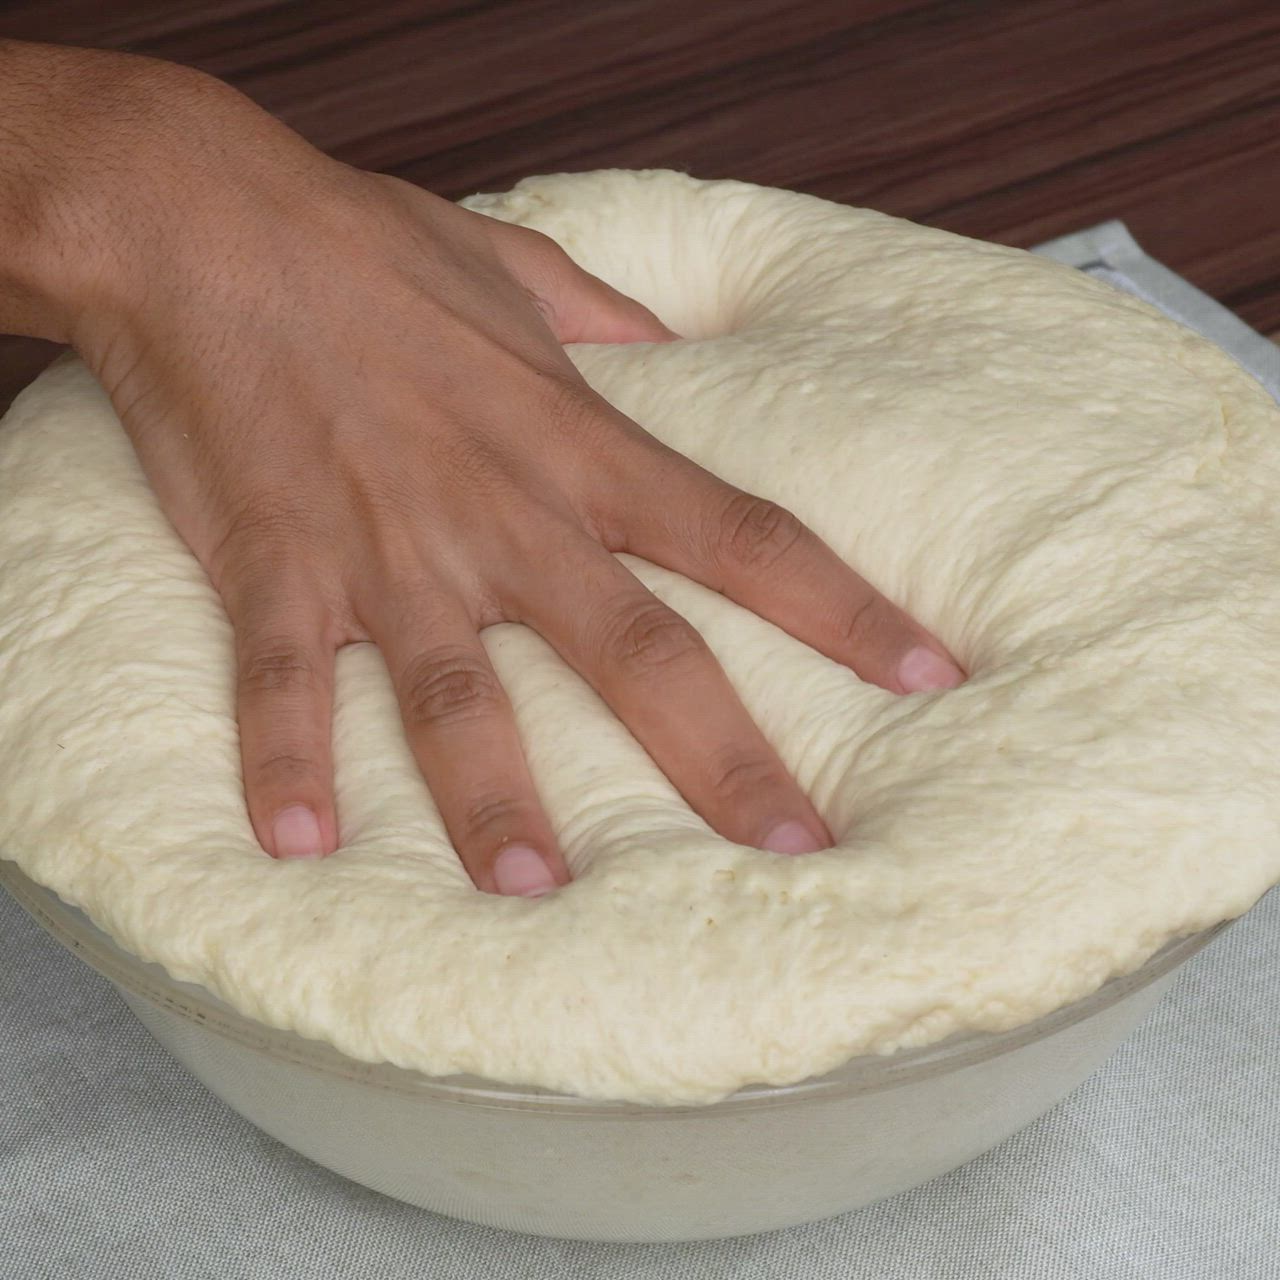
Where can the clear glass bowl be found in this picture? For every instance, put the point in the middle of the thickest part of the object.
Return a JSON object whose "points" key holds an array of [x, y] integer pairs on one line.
{"points": [[532, 1160]]}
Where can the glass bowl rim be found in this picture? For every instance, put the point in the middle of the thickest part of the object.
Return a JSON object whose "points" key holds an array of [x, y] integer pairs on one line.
{"points": [[148, 981]]}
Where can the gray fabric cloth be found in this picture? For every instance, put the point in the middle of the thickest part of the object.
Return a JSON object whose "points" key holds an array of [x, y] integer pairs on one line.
{"points": [[115, 1164]]}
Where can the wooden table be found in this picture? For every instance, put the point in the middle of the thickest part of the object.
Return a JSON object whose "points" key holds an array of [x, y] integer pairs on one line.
{"points": [[1014, 120]]}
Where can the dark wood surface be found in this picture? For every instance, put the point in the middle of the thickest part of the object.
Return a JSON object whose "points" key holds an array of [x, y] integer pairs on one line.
{"points": [[1013, 120]]}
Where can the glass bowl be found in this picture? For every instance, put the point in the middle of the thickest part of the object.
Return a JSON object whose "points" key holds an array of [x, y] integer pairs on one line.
{"points": [[531, 1160]]}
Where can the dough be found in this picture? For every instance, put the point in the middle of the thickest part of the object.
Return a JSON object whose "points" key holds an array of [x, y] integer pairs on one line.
{"points": [[1081, 498]]}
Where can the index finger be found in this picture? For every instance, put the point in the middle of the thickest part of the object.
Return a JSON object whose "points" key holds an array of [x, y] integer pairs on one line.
{"points": [[764, 558]]}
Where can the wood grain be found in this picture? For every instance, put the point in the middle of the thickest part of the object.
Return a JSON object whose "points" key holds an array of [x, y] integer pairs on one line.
{"points": [[1013, 121]]}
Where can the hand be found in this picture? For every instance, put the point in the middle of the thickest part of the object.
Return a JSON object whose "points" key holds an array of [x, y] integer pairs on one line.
{"points": [[352, 400]]}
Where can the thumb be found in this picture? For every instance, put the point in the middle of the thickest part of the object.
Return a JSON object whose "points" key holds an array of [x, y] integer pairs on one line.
{"points": [[577, 306]]}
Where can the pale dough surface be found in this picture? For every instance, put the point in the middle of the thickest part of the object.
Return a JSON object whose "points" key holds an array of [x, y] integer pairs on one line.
{"points": [[1081, 498]]}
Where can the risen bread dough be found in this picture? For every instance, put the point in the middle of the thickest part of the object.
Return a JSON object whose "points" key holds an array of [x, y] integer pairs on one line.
{"points": [[1081, 498]]}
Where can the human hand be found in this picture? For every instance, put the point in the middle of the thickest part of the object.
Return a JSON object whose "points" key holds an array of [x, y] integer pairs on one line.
{"points": [[352, 400]]}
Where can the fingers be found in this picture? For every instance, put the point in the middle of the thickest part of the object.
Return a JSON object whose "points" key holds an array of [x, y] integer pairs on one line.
{"points": [[578, 306], [463, 734], [761, 556], [664, 684], [284, 704]]}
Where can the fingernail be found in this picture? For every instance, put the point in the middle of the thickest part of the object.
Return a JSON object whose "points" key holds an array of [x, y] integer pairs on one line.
{"points": [[296, 832], [923, 669], [791, 837], [520, 871]]}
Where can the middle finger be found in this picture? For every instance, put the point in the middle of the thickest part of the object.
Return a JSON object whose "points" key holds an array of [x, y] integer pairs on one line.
{"points": [[663, 682], [462, 729]]}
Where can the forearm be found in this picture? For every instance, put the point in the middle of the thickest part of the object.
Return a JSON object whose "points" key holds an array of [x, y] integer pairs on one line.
{"points": [[61, 137]]}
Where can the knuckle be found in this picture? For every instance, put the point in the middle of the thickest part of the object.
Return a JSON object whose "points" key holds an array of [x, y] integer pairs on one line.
{"points": [[283, 767], [648, 638], [538, 264], [279, 666], [570, 407], [261, 533], [378, 500], [448, 688], [550, 251], [534, 257], [755, 532], [860, 623], [493, 815], [475, 463], [740, 776]]}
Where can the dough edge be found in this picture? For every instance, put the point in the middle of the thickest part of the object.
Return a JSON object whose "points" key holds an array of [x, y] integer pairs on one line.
{"points": [[387, 1011]]}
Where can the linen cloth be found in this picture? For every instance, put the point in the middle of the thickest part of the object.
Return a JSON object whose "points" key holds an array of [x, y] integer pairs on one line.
{"points": [[115, 1164]]}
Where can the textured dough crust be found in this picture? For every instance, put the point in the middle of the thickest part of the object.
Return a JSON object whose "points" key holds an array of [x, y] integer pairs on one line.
{"points": [[1080, 497]]}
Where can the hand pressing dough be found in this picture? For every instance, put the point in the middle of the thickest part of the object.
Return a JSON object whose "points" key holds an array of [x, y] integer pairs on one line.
{"points": [[1079, 497]]}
